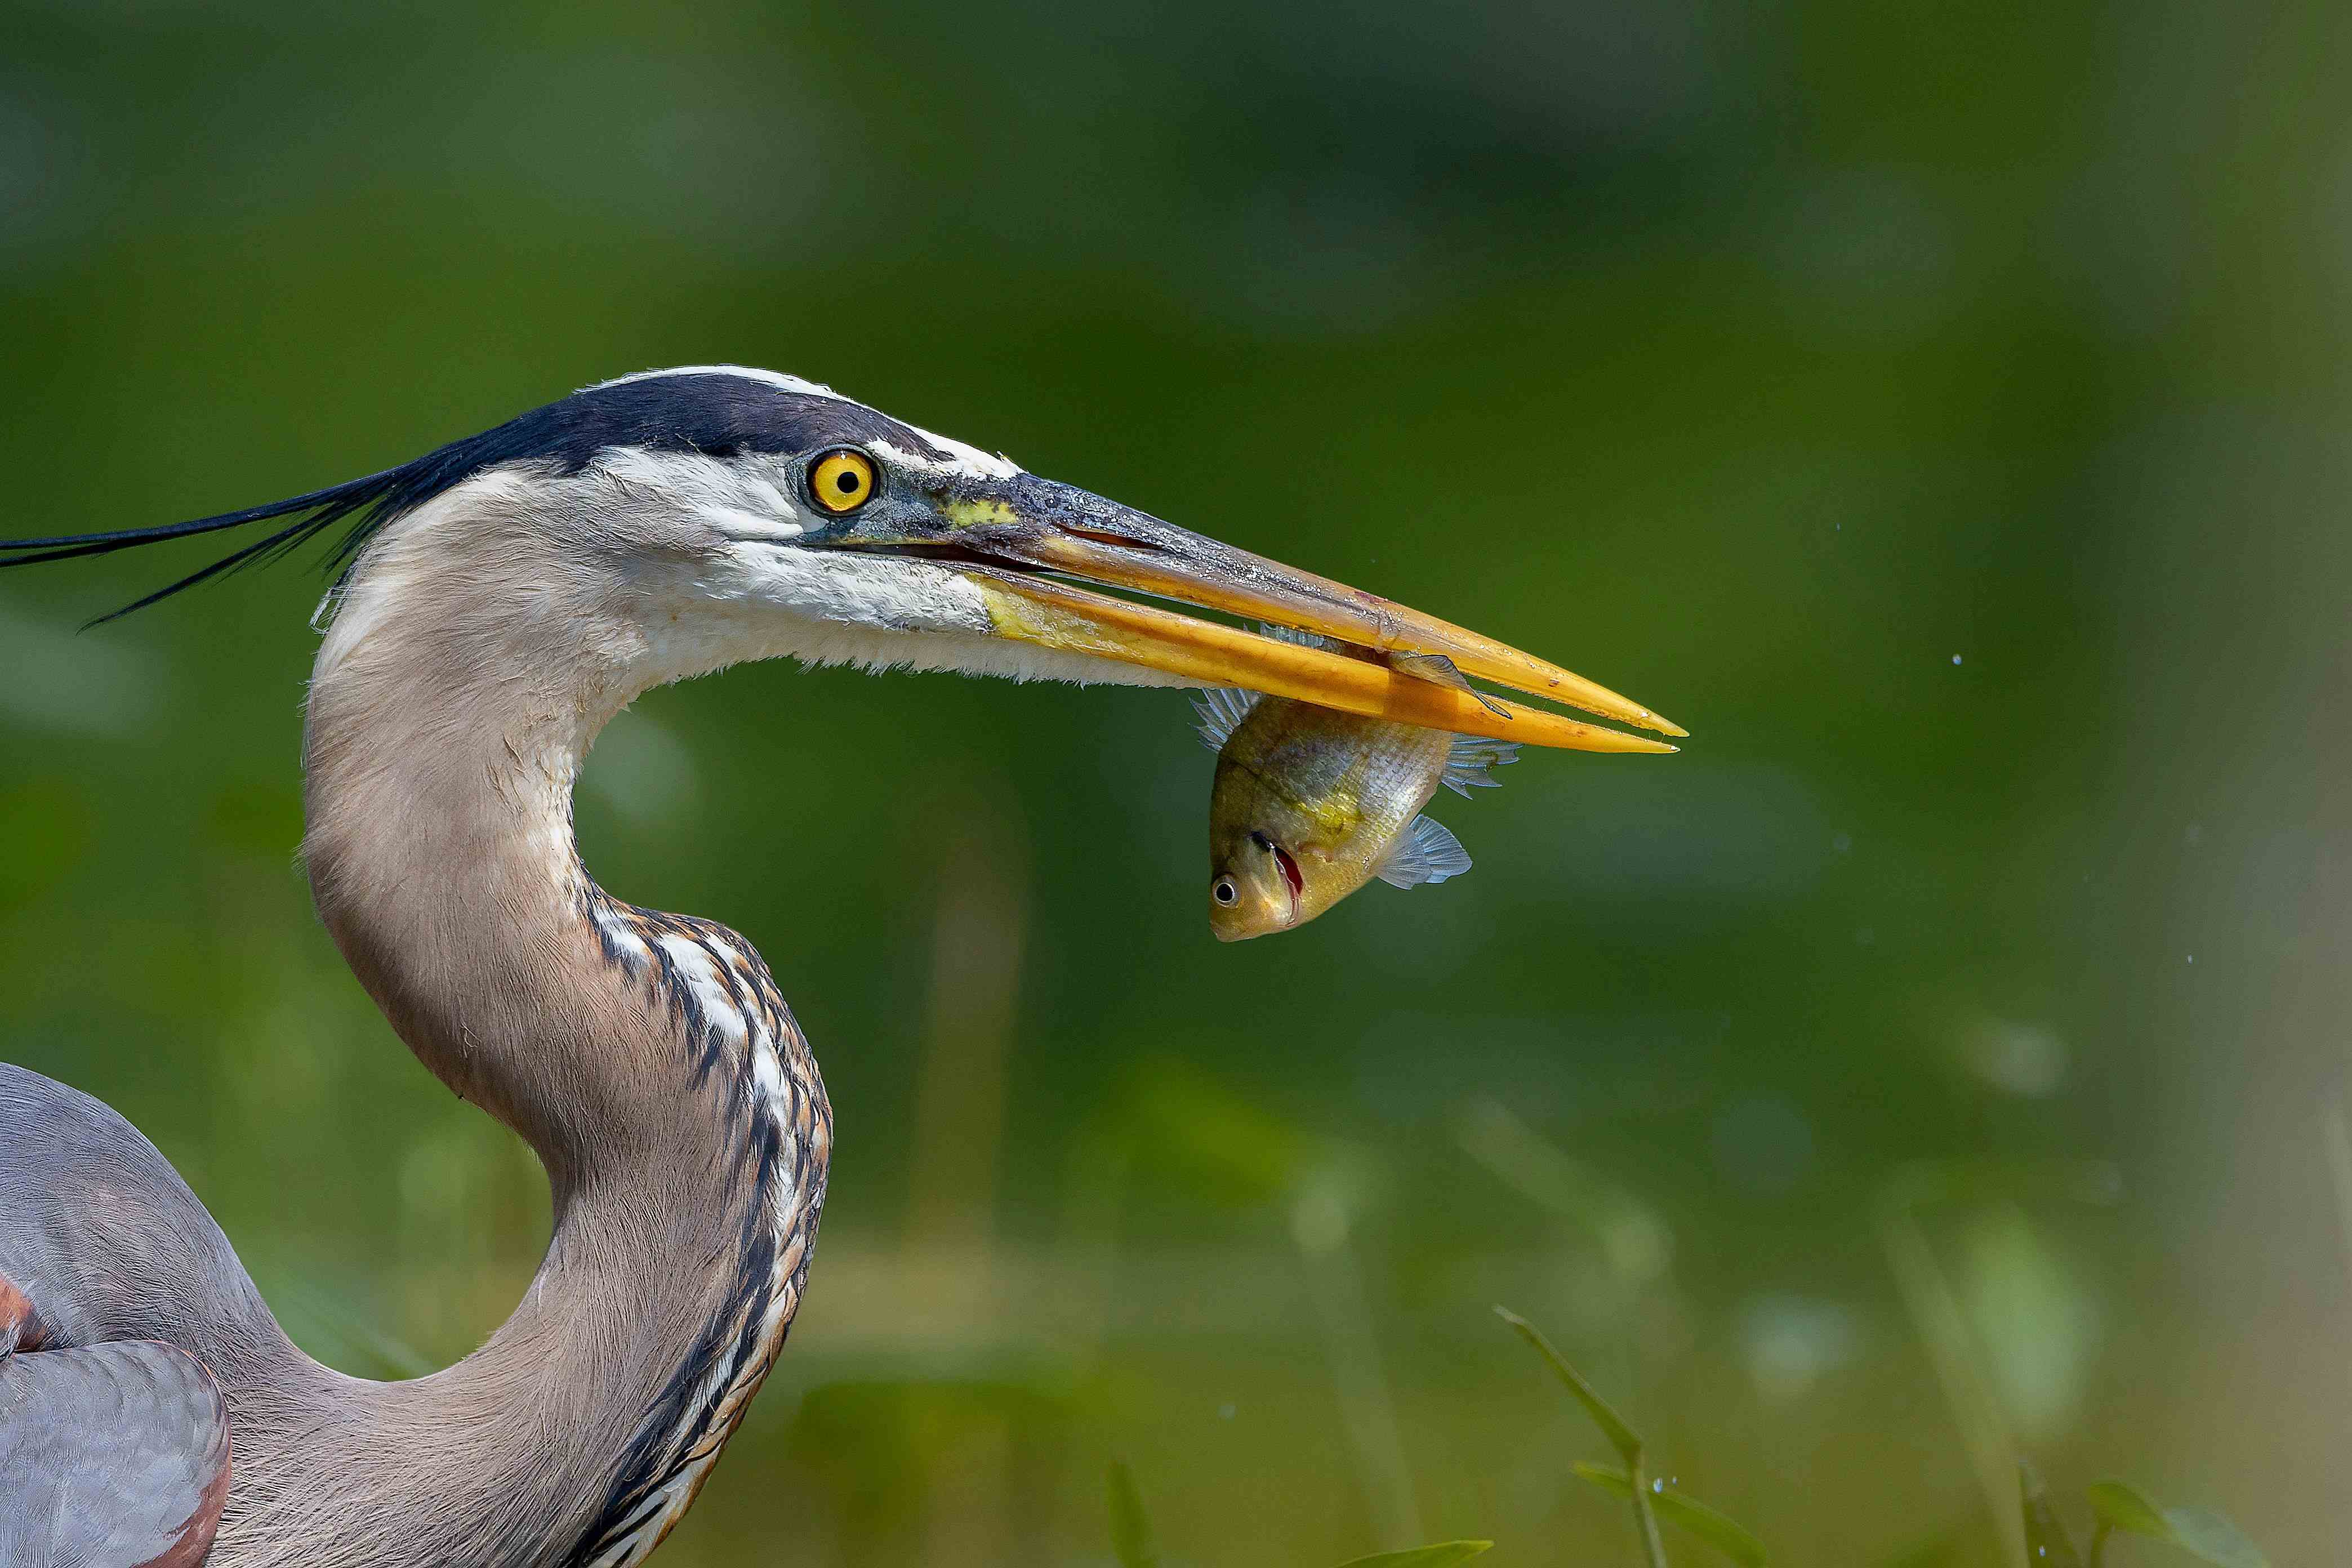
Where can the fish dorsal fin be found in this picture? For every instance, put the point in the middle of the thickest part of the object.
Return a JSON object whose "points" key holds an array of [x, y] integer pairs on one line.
{"points": [[1222, 709], [1440, 670], [1471, 755], [1425, 852], [1292, 635]]}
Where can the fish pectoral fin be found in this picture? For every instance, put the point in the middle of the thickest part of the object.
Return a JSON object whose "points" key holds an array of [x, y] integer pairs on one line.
{"points": [[1222, 709], [1440, 670], [1425, 852], [1471, 756]]}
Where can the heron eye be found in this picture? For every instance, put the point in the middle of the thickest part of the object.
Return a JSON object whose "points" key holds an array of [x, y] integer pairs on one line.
{"points": [[1224, 891], [842, 481]]}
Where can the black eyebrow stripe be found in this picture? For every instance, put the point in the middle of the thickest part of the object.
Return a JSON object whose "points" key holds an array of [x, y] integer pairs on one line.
{"points": [[710, 412]]}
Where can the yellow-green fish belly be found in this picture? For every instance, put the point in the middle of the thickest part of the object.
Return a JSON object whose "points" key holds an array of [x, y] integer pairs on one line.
{"points": [[1336, 789]]}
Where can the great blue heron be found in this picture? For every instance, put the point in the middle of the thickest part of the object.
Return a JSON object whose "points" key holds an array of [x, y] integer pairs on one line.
{"points": [[497, 601]]}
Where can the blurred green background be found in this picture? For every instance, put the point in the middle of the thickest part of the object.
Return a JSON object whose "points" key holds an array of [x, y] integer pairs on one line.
{"points": [[1938, 408]]}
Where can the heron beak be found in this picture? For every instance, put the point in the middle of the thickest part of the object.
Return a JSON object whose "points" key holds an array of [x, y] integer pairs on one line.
{"points": [[1008, 535]]}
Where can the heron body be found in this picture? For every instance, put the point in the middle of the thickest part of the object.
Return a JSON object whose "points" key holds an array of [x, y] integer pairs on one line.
{"points": [[500, 601]]}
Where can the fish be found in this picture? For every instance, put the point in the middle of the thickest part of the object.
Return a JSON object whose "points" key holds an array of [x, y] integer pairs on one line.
{"points": [[1309, 804]]}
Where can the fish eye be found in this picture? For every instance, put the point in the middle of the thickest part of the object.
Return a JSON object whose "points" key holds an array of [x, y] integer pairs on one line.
{"points": [[1224, 893], [842, 481]]}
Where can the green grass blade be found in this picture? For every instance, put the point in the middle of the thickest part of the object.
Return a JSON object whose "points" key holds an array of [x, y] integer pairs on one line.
{"points": [[1719, 1530], [1612, 1426], [2122, 1506], [2212, 1536], [2047, 1544], [2202, 1534], [1444, 1554], [1131, 1527]]}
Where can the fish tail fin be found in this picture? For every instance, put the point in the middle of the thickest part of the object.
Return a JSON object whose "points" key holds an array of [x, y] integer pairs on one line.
{"points": [[1425, 852], [1471, 756]]}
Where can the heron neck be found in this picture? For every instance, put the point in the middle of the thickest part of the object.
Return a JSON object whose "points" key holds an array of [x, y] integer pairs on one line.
{"points": [[646, 1058]]}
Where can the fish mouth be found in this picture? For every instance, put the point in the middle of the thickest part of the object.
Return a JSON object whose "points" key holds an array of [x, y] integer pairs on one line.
{"points": [[1294, 880], [1290, 875], [1038, 550]]}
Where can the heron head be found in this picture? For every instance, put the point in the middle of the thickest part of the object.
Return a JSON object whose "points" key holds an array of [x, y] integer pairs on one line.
{"points": [[684, 519], [807, 523]]}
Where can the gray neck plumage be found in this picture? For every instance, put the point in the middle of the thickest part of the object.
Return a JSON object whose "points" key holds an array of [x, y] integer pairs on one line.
{"points": [[647, 1058]]}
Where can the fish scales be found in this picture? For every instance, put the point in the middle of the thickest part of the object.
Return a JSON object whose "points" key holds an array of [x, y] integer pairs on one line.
{"points": [[1345, 774]]}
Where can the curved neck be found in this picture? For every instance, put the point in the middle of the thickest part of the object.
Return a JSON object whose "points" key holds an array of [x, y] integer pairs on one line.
{"points": [[646, 1058]]}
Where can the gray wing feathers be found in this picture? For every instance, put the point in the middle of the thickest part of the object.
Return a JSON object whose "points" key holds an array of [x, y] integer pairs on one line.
{"points": [[1425, 852], [114, 1443], [101, 1232], [115, 1456]]}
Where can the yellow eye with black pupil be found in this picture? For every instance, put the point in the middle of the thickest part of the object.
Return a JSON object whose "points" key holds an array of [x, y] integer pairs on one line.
{"points": [[842, 481]]}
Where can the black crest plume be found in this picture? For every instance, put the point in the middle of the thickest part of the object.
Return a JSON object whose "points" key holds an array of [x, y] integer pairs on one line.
{"points": [[717, 412], [373, 500]]}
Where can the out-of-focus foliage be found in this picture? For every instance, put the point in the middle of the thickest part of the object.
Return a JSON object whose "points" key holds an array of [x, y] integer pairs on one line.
{"points": [[1134, 1545], [1725, 1535], [1132, 1540], [1653, 1497], [2203, 1534], [2047, 1543], [1940, 409], [1444, 1554]]}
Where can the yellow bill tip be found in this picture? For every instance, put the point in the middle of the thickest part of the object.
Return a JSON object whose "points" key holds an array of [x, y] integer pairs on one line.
{"points": [[1063, 616]]}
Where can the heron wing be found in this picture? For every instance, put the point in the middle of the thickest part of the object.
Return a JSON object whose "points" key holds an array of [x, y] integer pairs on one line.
{"points": [[113, 1439], [112, 1456]]}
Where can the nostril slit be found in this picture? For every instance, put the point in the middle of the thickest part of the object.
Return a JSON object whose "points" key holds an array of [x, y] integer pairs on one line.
{"points": [[1121, 540]]}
